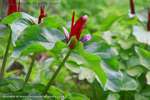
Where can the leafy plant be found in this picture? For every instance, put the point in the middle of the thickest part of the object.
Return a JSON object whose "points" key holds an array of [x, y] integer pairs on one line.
{"points": [[46, 56]]}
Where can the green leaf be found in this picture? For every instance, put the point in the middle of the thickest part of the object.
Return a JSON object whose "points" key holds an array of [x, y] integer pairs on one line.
{"points": [[76, 96], [140, 97], [83, 72], [53, 21], [59, 46], [142, 15], [142, 38], [15, 84], [32, 33], [119, 81], [4, 82], [31, 41], [11, 18], [17, 23], [92, 62], [106, 52], [148, 78], [10, 84], [112, 62], [135, 71], [133, 61], [4, 34], [144, 57], [105, 25], [146, 91], [33, 48], [56, 91], [113, 96]]}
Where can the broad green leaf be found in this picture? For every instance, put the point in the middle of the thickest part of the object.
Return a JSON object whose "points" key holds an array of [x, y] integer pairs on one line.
{"points": [[83, 72], [11, 84], [18, 16], [113, 96], [4, 82], [86, 74], [133, 61], [140, 97], [107, 53], [142, 15], [108, 22], [4, 86], [77, 59], [92, 62], [73, 66], [107, 36], [33, 48], [76, 96], [144, 57], [59, 46], [18, 22], [53, 21], [56, 91], [11, 18], [120, 31], [135, 71], [126, 43], [15, 85], [112, 62], [4, 34], [53, 36], [148, 78], [146, 91], [119, 81], [142, 35], [31, 41]]}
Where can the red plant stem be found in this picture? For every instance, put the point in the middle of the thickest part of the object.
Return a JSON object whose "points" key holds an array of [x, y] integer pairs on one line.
{"points": [[132, 10], [148, 23]]}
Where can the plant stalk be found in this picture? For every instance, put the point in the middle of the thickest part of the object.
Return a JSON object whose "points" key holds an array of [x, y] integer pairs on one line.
{"points": [[56, 73], [29, 71], [148, 23], [6, 55], [132, 8]]}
